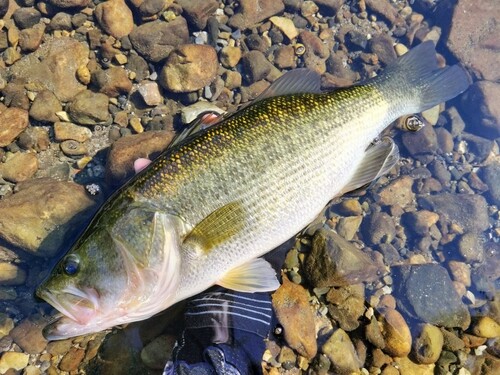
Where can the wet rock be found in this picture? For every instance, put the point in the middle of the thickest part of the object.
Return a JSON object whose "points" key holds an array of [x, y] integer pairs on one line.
{"points": [[138, 65], [384, 9], [158, 352], [255, 42], [251, 12], [71, 359], [379, 228], [356, 40], [426, 292], [473, 37], [291, 304], [155, 40], [73, 148], [123, 153], [20, 167], [470, 211], [26, 17], [6, 325], [60, 21], [13, 360], [440, 172], [66, 130], [338, 66], [334, 261], [491, 176], [230, 56], [486, 327], [480, 147], [396, 333], [150, 93], [30, 39], [4, 7], [445, 140], [316, 51], [53, 67], [422, 142], [428, 344], [341, 352], [349, 207], [382, 46], [407, 367], [112, 82], [460, 272], [329, 7], [284, 57], [89, 108], [41, 208], [198, 11], [286, 26], [34, 139], [189, 68], [69, 3], [14, 121], [347, 227], [256, 67], [45, 106], [347, 305], [11, 274], [451, 341], [398, 193], [59, 347], [150, 8], [482, 107], [420, 221], [470, 247], [115, 18], [28, 335], [373, 333]]}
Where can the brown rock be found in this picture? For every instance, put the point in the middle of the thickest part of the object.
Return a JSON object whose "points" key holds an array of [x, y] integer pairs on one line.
{"points": [[21, 167], [398, 193], [482, 107], [34, 139], [115, 18], [420, 221], [198, 11], [12, 122], [10, 274], [155, 40], [396, 334], [150, 93], [69, 3], [284, 57], [407, 367], [28, 335], [158, 352], [126, 150], [66, 130], [316, 51], [257, 67], [347, 305], [230, 56], [422, 142], [53, 67], [149, 8], [113, 81], [384, 9], [30, 39], [13, 360], [251, 12], [291, 304], [334, 261], [428, 344], [42, 207], [379, 228], [89, 108], [189, 68], [72, 359], [473, 37], [341, 352], [45, 106]]}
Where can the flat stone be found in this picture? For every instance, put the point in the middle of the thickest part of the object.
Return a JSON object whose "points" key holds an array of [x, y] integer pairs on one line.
{"points": [[30, 39], [426, 292], [396, 333], [291, 304], [21, 167], [45, 106], [155, 40], [123, 153], [256, 66], [37, 217], [73, 148], [341, 352], [115, 18], [397, 193], [286, 26], [67, 130], [473, 37], [251, 12], [13, 360], [28, 335], [471, 211], [14, 121], [89, 108], [334, 261], [188, 68]]}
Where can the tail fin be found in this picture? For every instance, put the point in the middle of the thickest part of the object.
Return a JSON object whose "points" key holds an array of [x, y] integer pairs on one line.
{"points": [[417, 77]]}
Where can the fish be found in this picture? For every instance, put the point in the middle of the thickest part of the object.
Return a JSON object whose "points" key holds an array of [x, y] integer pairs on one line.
{"points": [[205, 211]]}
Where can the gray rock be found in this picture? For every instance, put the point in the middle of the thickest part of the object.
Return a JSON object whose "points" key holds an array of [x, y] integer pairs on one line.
{"points": [[89, 108], [491, 176], [426, 292], [251, 12], [440, 172], [482, 107], [26, 17], [341, 352], [470, 247], [334, 261], [379, 228], [470, 211], [382, 46], [347, 305], [422, 142], [70, 3], [61, 21], [4, 7], [329, 7], [479, 146], [256, 67], [155, 40], [198, 11], [45, 106], [138, 65]]}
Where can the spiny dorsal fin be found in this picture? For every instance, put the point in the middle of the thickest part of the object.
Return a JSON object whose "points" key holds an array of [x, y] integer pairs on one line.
{"points": [[254, 276], [379, 159], [217, 227]]}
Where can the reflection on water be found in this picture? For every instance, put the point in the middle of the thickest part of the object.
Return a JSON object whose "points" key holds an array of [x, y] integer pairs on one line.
{"points": [[408, 280]]}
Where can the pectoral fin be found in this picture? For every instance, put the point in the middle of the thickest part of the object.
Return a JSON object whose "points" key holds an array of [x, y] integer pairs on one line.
{"points": [[379, 159], [217, 227], [254, 276]]}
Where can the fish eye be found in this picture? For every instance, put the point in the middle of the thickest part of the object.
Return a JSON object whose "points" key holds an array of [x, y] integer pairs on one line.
{"points": [[71, 265]]}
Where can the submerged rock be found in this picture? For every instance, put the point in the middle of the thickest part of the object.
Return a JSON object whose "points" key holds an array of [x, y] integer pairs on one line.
{"points": [[428, 344], [14, 121], [482, 107], [341, 352], [426, 292], [251, 12], [115, 18]]}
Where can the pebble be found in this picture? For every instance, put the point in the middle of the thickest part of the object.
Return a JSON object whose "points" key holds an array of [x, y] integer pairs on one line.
{"points": [[422, 142], [71, 359], [340, 350], [67, 130], [155, 40], [13, 360], [135, 123], [428, 344], [232, 79], [14, 121], [20, 167], [316, 52], [491, 176], [396, 333], [251, 12], [486, 327], [26, 17], [230, 56], [286, 26], [347, 305], [420, 221], [349, 207], [89, 108], [347, 227], [112, 82], [115, 18], [73, 148], [257, 67], [379, 228], [284, 57], [460, 271], [291, 304], [189, 68], [30, 39], [150, 93], [6, 325], [197, 12], [334, 261], [28, 335], [398, 193], [470, 247], [45, 106]]}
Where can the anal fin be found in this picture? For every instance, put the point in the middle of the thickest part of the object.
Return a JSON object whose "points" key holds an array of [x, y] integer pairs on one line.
{"points": [[379, 160], [254, 276]]}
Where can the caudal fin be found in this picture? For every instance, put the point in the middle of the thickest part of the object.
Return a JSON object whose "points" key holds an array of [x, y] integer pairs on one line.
{"points": [[416, 78]]}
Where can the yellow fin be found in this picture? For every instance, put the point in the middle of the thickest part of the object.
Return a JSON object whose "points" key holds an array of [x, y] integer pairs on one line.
{"points": [[217, 227], [254, 276]]}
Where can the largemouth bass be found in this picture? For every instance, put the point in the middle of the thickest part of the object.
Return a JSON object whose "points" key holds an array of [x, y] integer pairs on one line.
{"points": [[207, 208]]}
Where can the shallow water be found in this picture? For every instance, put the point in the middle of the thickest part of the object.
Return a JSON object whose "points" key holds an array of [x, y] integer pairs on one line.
{"points": [[430, 229]]}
